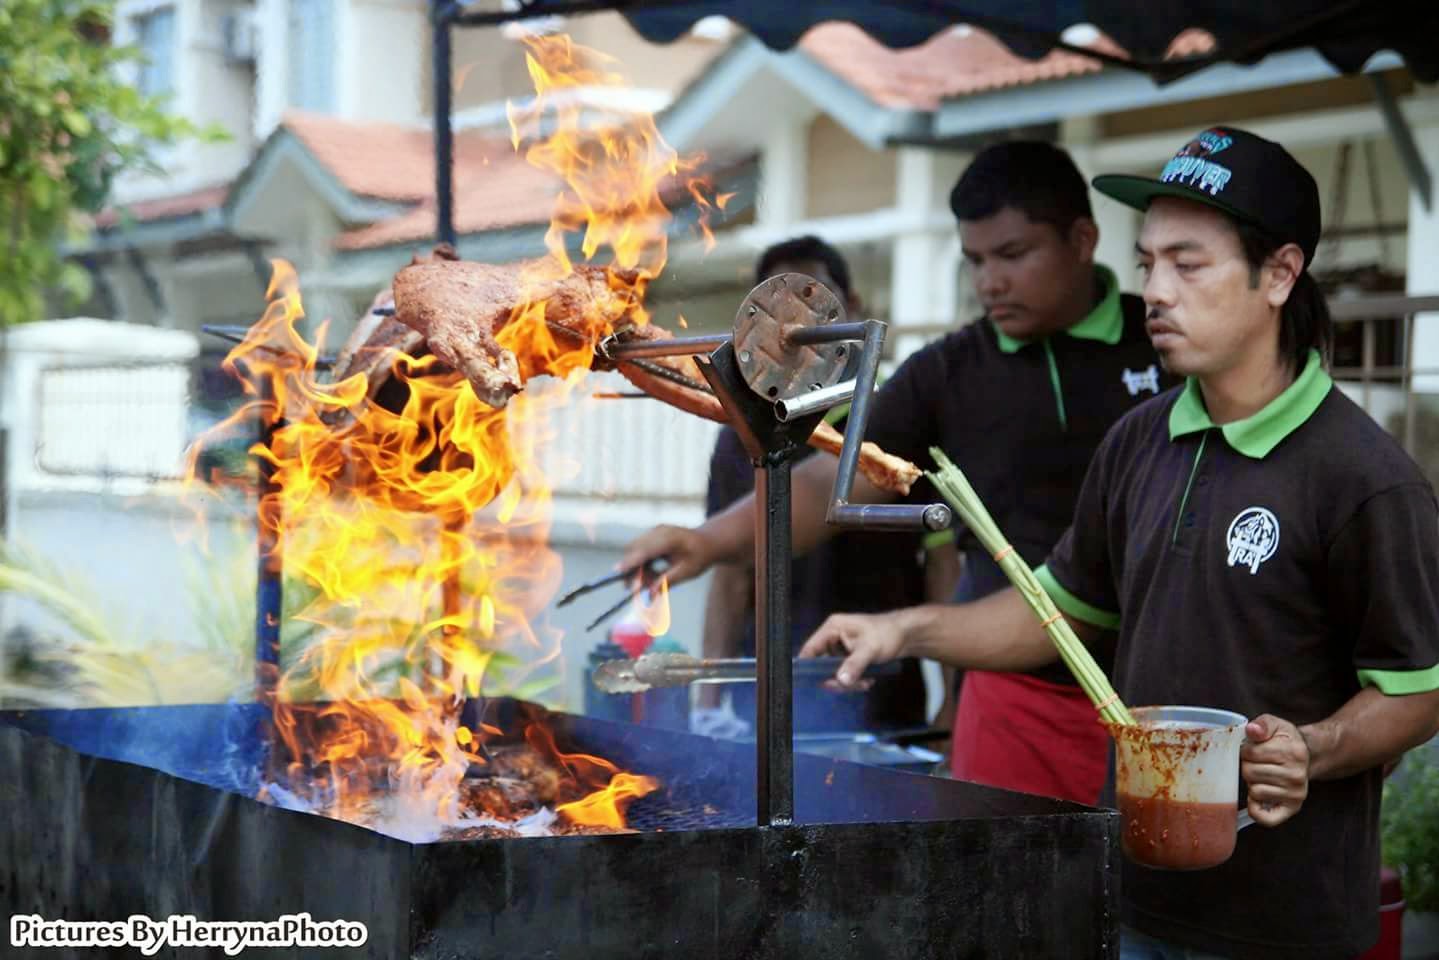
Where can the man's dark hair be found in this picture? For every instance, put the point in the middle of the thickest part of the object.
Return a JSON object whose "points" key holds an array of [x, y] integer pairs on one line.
{"points": [[804, 248], [1304, 321], [1036, 178]]}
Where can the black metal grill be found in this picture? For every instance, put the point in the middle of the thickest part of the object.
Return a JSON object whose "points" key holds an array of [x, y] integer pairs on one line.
{"points": [[878, 863], [682, 806]]}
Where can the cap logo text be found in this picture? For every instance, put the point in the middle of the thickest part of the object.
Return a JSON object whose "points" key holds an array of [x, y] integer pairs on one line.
{"points": [[1198, 173]]}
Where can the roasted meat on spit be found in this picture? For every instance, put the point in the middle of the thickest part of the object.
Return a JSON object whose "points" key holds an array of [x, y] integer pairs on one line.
{"points": [[454, 309]]}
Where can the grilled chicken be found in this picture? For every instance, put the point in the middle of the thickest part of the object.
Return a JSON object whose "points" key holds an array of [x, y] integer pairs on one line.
{"points": [[457, 310]]}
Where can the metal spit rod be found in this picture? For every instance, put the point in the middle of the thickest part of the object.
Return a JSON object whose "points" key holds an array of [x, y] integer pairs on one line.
{"points": [[813, 402], [611, 349]]}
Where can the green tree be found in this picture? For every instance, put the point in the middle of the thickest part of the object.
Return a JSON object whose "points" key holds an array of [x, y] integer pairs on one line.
{"points": [[69, 125]]}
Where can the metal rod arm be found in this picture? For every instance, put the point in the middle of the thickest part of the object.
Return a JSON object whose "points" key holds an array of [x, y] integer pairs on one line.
{"points": [[891, 516], [934, 516], [611, 349]]}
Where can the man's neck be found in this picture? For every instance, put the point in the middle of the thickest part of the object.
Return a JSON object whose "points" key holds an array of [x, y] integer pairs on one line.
{"points": [[1086, 297], [1246, 388]]}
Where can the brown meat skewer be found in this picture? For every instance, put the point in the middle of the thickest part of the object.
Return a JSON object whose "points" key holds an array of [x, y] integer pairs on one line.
{"points": [[459, 306]]}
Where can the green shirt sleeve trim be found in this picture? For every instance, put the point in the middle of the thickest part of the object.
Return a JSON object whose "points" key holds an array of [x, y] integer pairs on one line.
{"points": [[937, 539], [1400, 682], [1072, 605]]}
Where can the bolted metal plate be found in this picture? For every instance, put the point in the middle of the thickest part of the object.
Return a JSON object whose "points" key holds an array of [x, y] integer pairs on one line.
{"points": [[773, 368]]}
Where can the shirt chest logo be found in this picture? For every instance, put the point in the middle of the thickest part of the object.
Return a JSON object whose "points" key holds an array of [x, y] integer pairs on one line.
{"points": [[1137, 380], [1252, 538]]}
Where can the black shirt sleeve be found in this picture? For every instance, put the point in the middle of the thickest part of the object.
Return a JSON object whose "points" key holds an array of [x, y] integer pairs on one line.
{"points": [[902, 418], [731, 475], [1080, 574], [1383, 574]]}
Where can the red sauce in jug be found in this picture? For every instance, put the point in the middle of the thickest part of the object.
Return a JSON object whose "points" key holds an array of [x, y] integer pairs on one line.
{"points": [[1159, 832]]}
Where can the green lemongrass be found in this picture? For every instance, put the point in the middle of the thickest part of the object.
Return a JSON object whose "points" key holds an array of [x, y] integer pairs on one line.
{"points": [[952, 484]]}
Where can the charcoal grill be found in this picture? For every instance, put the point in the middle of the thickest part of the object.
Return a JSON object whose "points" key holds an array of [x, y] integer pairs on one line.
{"points": [[114, 812]]}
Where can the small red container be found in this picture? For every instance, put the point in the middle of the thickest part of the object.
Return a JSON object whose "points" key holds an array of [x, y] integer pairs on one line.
{"points": [[1391, 918], [633, 637]]}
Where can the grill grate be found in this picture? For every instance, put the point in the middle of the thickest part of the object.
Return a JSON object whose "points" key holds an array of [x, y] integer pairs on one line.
{"points": [[681, 806]]}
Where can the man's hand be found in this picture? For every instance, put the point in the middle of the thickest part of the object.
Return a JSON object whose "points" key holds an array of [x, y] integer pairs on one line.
{"points": [[862, 639], [1274, 762], [689, 551]]}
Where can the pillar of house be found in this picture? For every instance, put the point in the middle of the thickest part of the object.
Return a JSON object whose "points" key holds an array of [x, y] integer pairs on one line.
{"points": [[272, 65], [783, 163], [925, 257], [1422, 267], [1118, 224]]}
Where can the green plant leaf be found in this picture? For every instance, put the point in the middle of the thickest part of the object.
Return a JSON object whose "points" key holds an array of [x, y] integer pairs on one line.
{"points": [[76, 122]]}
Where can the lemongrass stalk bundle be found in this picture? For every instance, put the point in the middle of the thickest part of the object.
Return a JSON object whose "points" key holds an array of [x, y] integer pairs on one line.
{"points": [[950, 481]]}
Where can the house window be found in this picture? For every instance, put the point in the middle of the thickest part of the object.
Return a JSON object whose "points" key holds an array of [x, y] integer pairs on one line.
{"points": [[312, 55], [155, 36]]}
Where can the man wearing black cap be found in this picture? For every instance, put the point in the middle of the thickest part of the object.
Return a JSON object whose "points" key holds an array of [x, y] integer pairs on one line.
{"points": [[1022, 399], [1262, 546]]}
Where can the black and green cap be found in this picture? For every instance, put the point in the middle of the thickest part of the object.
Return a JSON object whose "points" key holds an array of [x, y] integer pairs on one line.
{"points": [[1251, 179]]}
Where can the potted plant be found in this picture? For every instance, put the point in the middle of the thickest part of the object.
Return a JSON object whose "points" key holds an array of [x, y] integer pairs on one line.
{"points": [[1409, 827]]}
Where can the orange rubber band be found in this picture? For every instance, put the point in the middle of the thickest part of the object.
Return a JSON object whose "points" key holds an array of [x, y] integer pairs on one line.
{"points": [[1102, 705], [1008, 549], [1053, 619]]}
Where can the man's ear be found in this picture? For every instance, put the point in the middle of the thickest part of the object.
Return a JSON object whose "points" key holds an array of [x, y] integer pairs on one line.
{"points": [[1282, 271], [1084, 238]]}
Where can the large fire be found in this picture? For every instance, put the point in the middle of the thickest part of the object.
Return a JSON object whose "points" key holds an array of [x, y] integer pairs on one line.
{"points": [[422, 532]]}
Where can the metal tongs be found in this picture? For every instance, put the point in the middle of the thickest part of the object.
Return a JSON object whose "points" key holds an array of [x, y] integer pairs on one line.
{"points": [[647, 573], [679, 669]]}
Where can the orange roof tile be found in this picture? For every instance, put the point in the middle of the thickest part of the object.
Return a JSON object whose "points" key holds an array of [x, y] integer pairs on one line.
{"points": [[385, 161], [165, 208], [495, 188], [502, 191], [954, 63]]}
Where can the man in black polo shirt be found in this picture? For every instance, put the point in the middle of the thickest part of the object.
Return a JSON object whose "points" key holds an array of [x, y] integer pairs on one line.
{"points": [[1022, 398], [1262, 546]]}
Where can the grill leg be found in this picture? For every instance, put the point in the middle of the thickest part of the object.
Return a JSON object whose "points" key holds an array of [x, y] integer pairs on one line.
{"points": [[774, 721]]}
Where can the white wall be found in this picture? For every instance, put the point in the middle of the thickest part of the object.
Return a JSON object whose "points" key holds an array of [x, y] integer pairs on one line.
{"points": [[382, 73], [1423, 261], [206, 90]]}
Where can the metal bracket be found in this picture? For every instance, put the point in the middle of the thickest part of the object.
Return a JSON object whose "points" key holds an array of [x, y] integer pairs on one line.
{"points": [[147, 278], [1403, 137]]}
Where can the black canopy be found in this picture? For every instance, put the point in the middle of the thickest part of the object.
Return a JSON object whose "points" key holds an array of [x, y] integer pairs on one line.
{"points": [[1345, 32]]}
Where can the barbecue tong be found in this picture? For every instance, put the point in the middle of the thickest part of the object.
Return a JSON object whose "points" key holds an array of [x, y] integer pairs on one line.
{"points": [[647, 573], [679, 669]]}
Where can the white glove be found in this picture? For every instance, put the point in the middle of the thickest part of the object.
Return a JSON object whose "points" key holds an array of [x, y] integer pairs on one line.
{"points": [[719, 722]]}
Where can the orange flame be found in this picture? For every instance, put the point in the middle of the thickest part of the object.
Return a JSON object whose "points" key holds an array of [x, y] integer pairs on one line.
{"points": [[420, 534], [655, 614], [605, 808]]}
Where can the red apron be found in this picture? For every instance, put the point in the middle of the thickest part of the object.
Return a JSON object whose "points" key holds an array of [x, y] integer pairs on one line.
{"points": [[1020, 733]]}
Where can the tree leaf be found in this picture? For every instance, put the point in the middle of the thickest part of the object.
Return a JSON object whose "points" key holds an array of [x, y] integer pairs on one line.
{"points": [[76, 122]]}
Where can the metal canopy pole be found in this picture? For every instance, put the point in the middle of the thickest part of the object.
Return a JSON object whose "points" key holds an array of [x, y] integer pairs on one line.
{"points": [[269, 596], [441, 14]]}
